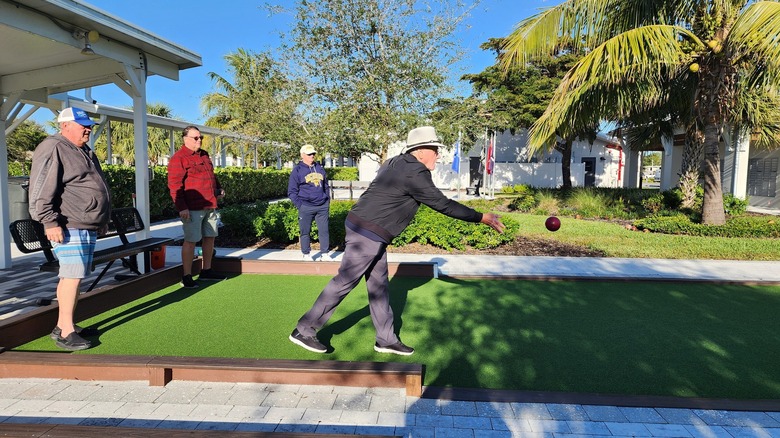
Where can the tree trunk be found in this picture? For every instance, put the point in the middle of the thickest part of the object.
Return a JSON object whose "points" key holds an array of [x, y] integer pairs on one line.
{"points": [[566, 164], [691, 163], [712, 209]]}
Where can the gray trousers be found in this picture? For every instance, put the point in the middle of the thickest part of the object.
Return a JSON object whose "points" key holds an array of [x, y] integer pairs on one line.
{"points": [[362, 257]]}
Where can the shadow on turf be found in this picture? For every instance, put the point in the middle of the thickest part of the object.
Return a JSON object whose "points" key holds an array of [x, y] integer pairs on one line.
{"points": [[144, 308], [399, 288]]}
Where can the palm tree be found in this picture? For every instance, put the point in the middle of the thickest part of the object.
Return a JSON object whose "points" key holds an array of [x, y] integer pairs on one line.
{"points": [[714, 65], [123, 138]]}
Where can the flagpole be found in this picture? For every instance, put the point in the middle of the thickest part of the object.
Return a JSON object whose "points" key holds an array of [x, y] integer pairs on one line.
{"points": [[485, 164], [493, 166], [457, 157]]}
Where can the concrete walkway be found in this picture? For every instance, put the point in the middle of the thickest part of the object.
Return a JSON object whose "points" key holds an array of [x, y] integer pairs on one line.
{"points": [[364, 411]]}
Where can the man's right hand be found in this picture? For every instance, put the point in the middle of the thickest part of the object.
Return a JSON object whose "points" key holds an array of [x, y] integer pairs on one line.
{"points": [[493, 221], [55, 234], [184, 215]]}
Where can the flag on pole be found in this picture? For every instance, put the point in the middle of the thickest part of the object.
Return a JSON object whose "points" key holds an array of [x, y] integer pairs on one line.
{"points": [[491, 155], [456, 158]]}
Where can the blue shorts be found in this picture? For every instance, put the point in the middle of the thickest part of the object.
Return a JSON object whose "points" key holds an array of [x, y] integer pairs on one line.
{"points": [[75, 252]]}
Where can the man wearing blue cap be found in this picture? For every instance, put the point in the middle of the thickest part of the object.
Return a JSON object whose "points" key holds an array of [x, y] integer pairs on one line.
{"points": [[69, 196]]}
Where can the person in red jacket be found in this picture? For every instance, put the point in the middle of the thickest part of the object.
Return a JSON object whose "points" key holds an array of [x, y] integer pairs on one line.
{"points": [[195, 191]]}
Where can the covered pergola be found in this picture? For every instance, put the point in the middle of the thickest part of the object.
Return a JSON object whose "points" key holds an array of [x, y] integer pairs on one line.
{"points": [[52, 47]]}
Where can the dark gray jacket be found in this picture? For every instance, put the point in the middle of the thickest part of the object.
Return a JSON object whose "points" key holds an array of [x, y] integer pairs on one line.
{"points": [[67, 186], [395, 195]]}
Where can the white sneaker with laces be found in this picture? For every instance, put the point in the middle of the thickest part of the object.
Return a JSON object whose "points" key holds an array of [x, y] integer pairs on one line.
{"points": [[325, 257], [307, 258]]}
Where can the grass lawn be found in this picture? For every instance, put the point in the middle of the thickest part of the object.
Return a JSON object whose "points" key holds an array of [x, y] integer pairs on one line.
{"points": [[640, 338]]}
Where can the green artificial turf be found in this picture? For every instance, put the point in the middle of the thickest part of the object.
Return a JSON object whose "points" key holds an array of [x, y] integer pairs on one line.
{"points": [[639, 338]]}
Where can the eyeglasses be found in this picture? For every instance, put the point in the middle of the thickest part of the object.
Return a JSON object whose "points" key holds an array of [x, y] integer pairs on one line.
{"points": [[312, 154], [200, 138]]}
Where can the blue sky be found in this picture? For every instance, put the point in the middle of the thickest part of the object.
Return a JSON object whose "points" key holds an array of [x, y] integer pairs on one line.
{"points": [[213, 29]]}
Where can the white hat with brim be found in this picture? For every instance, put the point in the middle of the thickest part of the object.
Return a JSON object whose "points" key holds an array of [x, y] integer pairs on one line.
{"points": [[308, 149], [77, 115], [422, 137]]}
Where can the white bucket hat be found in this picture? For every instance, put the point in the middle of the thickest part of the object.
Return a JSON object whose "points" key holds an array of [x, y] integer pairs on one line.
{"points": [[424, 136]]}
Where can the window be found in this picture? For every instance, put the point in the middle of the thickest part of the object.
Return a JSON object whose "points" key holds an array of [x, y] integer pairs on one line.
{"points": [[762, 177]]}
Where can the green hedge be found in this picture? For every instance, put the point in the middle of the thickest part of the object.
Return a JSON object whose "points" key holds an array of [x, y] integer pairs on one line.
{"points": [[279, 223], [740, 226]]}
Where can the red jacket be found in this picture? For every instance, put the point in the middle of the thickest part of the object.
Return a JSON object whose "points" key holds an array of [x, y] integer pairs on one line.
{"points": [[191, 180]]}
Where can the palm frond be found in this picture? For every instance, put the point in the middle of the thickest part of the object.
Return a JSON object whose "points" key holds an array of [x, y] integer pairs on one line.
{"points": [[756, 34]]}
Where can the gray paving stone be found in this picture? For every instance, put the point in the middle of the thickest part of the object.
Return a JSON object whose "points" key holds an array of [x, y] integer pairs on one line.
{"points": [[362, 418], [679, 416], [217, 425], [426, 420], [628, 429], [588, 428], [146, 394], [706, 431], [535, 411], [415, 432], [295, 428], [178, 424], [248, 397], [102, 422], [549, 426], [423, 406], [134, 409], [471, 422], [731, 418], [63, 418], [605, 413], [281, 414], [315, 416], [341, 429], [214, 396], [396, 419], [317, 400], [178, 394], [26, 417], [169, 409], [387, 404], [252, 426], [515, 425], [752, 432], [642, 415], [281, 400], [65, 406], [30, 405], [668, 430], [375, 430], [458, 408], [109, 393], [247, 412], [352, 402], [210, 411], [483, 433], [42, 391], [569, 412], [494, 409], [76, 392]]}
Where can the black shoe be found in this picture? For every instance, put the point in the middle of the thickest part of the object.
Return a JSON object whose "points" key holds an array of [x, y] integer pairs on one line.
{"points": [[188, 282], [209, 274], [308, 342], [72, 342], [80, 330], [397, 348]]}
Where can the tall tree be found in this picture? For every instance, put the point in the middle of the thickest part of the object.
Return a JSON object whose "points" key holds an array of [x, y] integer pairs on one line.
{"points": [[24, 139], [375, 68], [714, 63], [259, 100]]}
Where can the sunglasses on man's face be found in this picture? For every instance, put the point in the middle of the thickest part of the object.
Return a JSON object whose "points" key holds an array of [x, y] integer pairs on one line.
{"points": [[312, 154], [197, 138]]}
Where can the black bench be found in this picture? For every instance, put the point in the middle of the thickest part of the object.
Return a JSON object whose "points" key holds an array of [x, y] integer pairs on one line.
{"points": [[29, 236]]}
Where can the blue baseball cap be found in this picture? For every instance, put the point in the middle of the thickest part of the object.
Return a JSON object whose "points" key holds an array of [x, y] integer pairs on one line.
{"points": [[77, 115]]}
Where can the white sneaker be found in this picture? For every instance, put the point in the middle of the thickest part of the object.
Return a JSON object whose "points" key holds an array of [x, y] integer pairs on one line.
{"points": [[325, 257], [307, 258]]}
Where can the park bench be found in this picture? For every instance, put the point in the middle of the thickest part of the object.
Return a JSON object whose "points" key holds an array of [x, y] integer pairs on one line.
{"points": [[347, 185], [29, 237]]}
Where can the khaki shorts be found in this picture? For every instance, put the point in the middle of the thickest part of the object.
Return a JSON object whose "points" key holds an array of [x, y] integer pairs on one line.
{"points": [[202, 223]]}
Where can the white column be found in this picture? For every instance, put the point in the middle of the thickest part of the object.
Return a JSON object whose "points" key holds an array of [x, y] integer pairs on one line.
{"points": [[5, 202], [667, 167]]}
